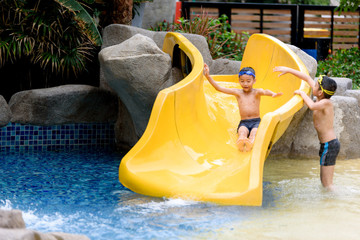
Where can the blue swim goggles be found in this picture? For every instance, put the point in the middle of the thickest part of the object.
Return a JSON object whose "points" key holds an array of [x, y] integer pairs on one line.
{"points": [[247, 73]]}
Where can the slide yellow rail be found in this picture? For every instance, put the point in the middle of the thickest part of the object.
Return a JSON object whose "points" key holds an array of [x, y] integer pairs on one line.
{"points": [[188, 148]]}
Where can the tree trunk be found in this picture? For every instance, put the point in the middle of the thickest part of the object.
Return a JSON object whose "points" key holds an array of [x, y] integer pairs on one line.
{"points": [[122, 11], [117, 11]]}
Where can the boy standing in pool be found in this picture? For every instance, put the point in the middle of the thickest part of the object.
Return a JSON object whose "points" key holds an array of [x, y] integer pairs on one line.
{"points": [[248, 99], [323, 118]]}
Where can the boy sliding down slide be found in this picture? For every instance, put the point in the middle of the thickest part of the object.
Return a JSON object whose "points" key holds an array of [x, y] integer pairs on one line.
{"points": [[248, 99]]}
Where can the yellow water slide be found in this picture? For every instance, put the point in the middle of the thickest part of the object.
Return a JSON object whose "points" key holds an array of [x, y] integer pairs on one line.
{"points": [[188, 149]]}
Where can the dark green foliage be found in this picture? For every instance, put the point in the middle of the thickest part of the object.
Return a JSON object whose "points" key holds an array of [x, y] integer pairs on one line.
{"points": [[348, 5], [85, 21], [42, 44], [343, 63], [223, 42]]}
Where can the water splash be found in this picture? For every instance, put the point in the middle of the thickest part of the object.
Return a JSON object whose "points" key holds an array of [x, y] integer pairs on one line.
{"points": [[5, 204]]}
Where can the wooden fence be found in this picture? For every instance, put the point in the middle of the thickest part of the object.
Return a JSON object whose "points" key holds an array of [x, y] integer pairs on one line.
{"points": [[290, 23]]}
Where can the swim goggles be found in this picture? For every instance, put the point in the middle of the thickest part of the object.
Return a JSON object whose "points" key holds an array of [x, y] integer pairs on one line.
{"points": [[247, 73], [324, 90]]}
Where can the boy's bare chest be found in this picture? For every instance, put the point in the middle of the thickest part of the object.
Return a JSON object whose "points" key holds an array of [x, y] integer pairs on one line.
{"points": [[249, 98], [249, 105]]}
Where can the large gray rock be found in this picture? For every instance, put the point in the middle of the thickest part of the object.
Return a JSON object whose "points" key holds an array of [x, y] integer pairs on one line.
{"points": [[28, 234], [137, 70], [309, 62], [117, 33], [125, 133], [284, 146], [354, 94], [22, 234], [63, 104], [305, 142], [222, 66], [12, 227], [343, 85], [346, 125], [11, 219], [5, 112]]}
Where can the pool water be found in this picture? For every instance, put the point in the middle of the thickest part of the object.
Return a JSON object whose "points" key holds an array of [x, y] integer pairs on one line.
{"points": [[79, 192]]}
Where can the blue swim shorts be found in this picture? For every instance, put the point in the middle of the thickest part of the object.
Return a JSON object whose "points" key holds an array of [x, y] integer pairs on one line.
{"points": [[328, 152], [249, 123]]}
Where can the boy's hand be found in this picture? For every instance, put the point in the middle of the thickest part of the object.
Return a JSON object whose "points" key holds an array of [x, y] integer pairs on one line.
{"points": [[277, 94], [281, 69], [206, 70], [299, 92]]}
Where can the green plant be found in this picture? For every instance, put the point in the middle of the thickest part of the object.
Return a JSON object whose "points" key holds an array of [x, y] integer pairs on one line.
{"points": [[50, 41], [225, 43], [348, 5], [222, 41], [201, 25], [163, 26], [85, 21], [342, 63]]}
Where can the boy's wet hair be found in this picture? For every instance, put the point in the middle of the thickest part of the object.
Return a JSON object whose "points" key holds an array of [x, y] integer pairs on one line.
{"points": [[248, 71], [327, 85]]}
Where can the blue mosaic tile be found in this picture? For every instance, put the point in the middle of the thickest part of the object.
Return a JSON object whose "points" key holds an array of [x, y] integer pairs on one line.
{"points": [[19, 137]]}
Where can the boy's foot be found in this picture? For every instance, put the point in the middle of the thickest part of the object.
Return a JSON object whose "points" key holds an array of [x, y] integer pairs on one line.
{"points": [[240, 144], [248, 145]]}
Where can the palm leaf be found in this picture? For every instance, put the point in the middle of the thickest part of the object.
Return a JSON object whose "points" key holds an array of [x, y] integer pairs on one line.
{"points": [[83, 16]]}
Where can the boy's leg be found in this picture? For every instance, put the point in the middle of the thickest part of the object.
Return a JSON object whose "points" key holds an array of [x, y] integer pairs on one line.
{"points": [[328, 153], [243, 133], [326, 176], [250, 142]]}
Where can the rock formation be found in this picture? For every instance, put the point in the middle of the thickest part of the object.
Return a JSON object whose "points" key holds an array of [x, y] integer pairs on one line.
{"points": [[12, 227], [63, 104]]}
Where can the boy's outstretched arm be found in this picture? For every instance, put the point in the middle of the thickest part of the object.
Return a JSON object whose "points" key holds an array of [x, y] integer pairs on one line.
{"points": [[215, 85], [310, 103], [296, 73], [267, 92]]}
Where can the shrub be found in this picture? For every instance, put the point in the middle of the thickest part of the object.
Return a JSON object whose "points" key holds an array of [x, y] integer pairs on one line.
{"points": [[343, 63], [225, 43], [222, 41], [50, 41], [163, 26]]}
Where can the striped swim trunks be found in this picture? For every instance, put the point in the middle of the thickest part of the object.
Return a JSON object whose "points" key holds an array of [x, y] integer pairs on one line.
{"points": [[328, 152]]}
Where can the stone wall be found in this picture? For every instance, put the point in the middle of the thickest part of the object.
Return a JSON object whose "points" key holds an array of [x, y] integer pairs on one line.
{"points": [[64, 117], [60, 105]]}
